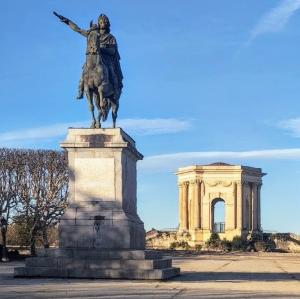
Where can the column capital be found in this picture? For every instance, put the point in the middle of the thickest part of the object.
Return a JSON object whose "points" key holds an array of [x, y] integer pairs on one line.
{"points": [[256, 184], [182, 184], [195, 181], [245, 183]]}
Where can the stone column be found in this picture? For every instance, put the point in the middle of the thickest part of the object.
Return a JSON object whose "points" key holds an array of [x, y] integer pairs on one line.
{"points": [[197, 189], [258, 207], [184, 206], [239, 205], [206, 212], [235, 204], [191, 202], [254, 206], [201, 198], [245, 205], [180, 195], [250, 212], [229, 212]]}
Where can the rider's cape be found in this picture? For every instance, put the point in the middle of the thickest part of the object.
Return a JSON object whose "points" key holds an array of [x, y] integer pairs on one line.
{"points": [[112, 61]]}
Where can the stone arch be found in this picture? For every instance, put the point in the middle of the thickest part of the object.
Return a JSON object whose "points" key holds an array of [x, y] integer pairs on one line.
{"points": [[218, 227]]}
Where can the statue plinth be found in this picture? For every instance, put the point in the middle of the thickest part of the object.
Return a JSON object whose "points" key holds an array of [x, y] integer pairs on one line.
{"points": [[100, 234], [102, 210]]}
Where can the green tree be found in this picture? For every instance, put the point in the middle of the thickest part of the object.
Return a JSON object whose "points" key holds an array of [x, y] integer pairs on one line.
{"points": [[214, 240]]}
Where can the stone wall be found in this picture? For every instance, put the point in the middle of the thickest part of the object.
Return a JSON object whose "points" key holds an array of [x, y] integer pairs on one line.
{"points": [[287, 242], [156, 239], [166, 239]]}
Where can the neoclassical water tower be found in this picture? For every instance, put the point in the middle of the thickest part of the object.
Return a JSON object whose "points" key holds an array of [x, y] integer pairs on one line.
{"points": [[201, 187]]}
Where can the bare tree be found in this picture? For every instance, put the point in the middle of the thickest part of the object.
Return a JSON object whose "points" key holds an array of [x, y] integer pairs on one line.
{"points": [[34, 187], [43, 191], [9, 179], [55, 191]]}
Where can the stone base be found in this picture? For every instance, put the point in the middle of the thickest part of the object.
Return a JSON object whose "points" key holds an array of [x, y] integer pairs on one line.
{"points": [[201, 236], [93, 263], [100, 225]]}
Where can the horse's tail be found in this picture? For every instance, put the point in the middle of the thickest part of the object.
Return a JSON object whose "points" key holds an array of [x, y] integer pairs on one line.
{"points": [[106, 109]]}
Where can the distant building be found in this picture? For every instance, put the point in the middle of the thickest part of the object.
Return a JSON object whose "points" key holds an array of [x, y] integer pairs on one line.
{"points": [[202, 186]]}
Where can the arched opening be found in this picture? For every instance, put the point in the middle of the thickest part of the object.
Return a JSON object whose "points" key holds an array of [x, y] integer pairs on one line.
{"points": [[218, 215]]}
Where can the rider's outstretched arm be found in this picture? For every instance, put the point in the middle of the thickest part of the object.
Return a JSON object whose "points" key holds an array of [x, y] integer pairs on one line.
{"points": [[72, 25]]}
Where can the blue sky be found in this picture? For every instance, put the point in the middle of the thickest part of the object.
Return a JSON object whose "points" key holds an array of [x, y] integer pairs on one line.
{"points": [[204, 81]]}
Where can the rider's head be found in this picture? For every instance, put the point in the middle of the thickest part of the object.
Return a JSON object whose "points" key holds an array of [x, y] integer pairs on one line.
{"points": [[103, 22]]}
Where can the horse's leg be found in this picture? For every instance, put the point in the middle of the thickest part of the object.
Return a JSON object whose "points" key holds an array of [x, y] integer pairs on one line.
{"points": [[89, 96], [97, 103], [114, 111], [102, 104]]}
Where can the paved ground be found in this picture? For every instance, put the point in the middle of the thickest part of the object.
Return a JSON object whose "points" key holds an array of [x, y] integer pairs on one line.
{"points": [[252, 275]]}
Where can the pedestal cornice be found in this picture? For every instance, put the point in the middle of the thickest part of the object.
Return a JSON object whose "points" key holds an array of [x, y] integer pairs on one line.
{"points": [[100, 138]]}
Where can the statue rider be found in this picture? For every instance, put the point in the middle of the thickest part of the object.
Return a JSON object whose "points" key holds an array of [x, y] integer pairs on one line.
{"points": [[108, 51]]}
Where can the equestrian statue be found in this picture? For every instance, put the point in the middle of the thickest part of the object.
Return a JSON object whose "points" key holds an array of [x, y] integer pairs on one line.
{"points": [[101, 79]]}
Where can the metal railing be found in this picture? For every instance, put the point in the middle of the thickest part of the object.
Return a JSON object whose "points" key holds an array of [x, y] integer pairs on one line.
{"points": [[219, 227]]}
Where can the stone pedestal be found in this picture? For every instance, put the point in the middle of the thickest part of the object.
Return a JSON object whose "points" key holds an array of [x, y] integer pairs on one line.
{"points": [[100, 234], [102, 212]]}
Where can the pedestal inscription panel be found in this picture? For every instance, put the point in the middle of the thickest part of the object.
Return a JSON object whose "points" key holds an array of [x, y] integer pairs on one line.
{"points": [[94, 179]]}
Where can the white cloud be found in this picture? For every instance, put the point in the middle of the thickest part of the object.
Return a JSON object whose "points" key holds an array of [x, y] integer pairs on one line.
{"points": [[43, 132], [136, 126], [171, 162], [292, 126], [276, 19]]}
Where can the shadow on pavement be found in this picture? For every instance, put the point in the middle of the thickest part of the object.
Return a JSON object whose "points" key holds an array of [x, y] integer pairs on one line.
{"points": [[236, 276]]}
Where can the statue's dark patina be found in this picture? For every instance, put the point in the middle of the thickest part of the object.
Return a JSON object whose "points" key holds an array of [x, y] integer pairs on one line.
{"points": [[101, 79]]}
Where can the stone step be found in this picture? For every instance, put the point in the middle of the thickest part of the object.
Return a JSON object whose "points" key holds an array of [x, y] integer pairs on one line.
{"points": [[87, 253], [156, 274], [69, 263]]}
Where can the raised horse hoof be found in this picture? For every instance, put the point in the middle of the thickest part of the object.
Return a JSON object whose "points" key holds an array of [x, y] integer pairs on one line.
{"points": [[93, 125], [79, 96]]}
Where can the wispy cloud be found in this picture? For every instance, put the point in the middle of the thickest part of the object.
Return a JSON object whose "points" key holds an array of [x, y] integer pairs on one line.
{"points": [[43, 132], [291, 125], [171, 162], [275, 19], [135, 126]]}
